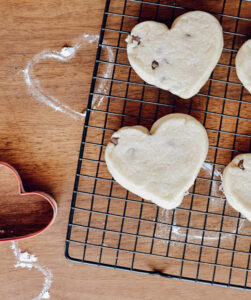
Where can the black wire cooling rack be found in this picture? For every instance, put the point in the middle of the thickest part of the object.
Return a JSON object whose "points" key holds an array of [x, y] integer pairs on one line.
{"points": [[204, 239]]}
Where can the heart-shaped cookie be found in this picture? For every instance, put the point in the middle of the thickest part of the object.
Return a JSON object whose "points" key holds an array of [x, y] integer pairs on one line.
{"points": [[180, 59], [160, 165], [237, 184], [243, 64], [22, 214]]}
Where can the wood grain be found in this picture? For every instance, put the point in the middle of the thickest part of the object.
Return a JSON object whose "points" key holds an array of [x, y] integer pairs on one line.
{"points": [[43, 146]]}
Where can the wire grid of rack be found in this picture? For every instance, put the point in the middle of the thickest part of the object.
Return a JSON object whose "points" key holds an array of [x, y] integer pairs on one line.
{"points": [[204, 239]]}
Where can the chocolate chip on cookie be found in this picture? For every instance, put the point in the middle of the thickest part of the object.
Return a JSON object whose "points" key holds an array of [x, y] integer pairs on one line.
{"points": [[136, 39], [155, 64], [240, 164]]}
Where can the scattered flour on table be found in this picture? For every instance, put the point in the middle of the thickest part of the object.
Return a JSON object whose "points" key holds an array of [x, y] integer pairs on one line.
{"points": [[179, 233], [217, 188], [209, 167], [65, 55], [29, 261], [165, 216]]}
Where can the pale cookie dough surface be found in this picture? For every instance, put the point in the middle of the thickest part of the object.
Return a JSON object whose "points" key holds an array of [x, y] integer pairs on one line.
{"points": [[160, 165], [180, 59], [237, 184], [243, 64]]}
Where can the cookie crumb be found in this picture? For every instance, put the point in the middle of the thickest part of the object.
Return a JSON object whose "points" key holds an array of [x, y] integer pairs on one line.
{"points": [[155, 64], [240, 164], [114, 140], [136, 39]]}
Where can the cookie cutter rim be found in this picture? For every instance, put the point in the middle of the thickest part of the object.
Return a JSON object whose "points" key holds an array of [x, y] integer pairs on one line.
{"points": [[22, 192]]}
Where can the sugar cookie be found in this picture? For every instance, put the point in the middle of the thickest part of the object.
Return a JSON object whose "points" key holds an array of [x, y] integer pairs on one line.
{"points": [[243, 64], [160, 165], [237, 184], [179, 59]]}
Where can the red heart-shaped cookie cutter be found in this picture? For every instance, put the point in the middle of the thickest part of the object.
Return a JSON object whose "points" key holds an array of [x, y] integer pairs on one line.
{"points": [[22, 214]]}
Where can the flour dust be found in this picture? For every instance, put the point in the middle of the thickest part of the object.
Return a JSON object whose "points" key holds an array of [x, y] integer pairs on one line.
{"points": [[29, 261], [179, 232], [65, 55]]}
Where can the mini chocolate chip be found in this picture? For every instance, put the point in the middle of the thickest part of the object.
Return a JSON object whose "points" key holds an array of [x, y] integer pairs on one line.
{"points": [[155, 64], [188, 35], [240, 164], [114, 140], [136, 38]]}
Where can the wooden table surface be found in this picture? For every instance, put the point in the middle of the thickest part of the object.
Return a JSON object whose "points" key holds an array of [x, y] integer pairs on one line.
{"points": [[43, 144]]}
